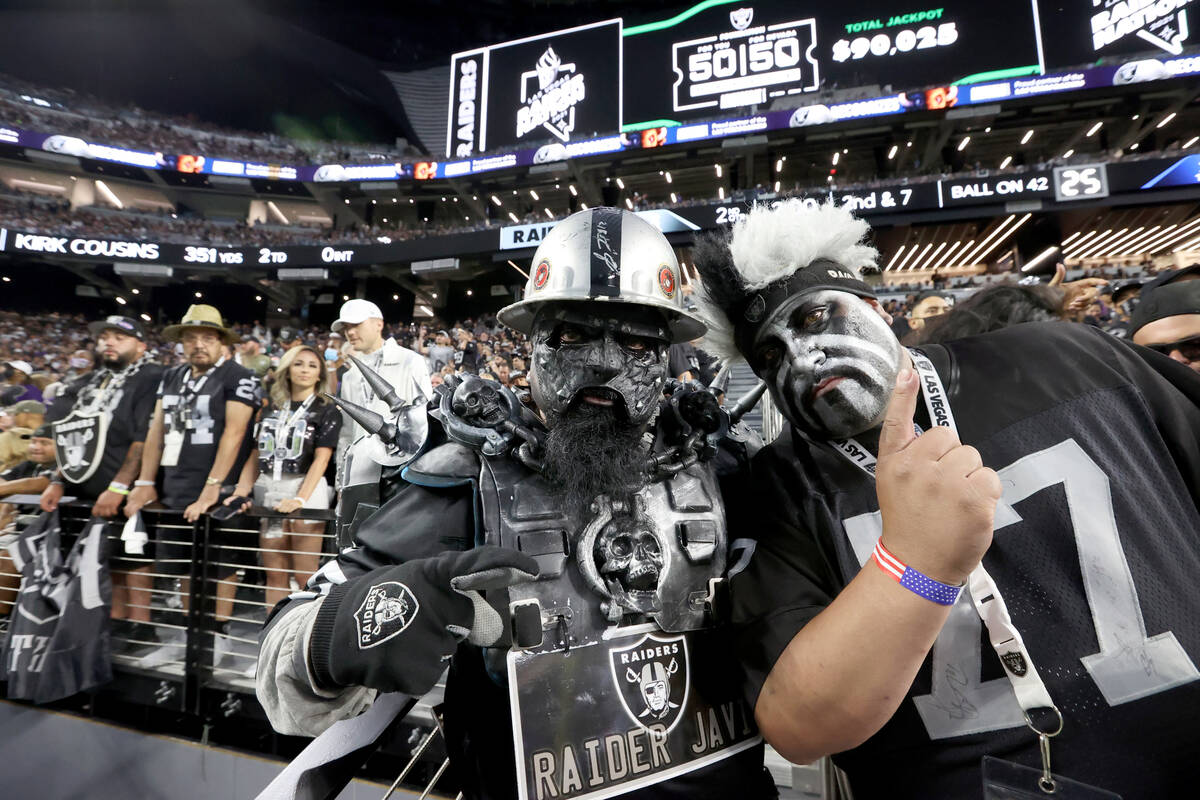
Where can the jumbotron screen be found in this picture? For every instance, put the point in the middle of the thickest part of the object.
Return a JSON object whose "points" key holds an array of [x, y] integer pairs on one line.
{"points": [[724, 57]]}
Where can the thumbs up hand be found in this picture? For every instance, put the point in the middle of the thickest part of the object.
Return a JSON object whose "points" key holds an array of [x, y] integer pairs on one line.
{"points": [[937, 500]]}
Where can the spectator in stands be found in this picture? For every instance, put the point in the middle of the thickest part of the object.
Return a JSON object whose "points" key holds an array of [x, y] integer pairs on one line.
{"points": [[989, 310], [361, 322], [29, 475], [110, 409], [27, 416], [251, 357], [198, 437], [466, 357], [927, 306], [440, 353], [297, 435], [1167, 319], [19, 386]]}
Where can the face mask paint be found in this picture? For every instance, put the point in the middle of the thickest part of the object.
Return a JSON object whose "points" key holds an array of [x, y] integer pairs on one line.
{"points": [[830, 361], [79, 363], [331, 354], [616, 360]]}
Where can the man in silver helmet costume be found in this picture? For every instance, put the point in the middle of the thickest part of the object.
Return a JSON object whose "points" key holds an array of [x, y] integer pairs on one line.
{"points": [[962, 585], [567, 566]]}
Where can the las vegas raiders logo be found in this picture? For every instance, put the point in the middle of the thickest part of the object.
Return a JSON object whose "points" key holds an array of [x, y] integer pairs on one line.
{"points": [[652, 679], [386, 611], [1015, 663]]}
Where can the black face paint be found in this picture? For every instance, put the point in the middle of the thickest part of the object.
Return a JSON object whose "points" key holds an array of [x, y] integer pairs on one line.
{"points": [[830, 361], [616, 359]]}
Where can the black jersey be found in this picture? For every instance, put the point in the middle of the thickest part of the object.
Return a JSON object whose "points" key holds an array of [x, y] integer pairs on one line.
{"points": [[195, 410], [130, 410], [58, 640], [27, 469], [1097, 444], [292, 437]]}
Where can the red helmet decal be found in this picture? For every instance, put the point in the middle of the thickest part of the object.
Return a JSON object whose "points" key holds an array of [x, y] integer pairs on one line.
{"points": [[541, 274], [666, 281]]}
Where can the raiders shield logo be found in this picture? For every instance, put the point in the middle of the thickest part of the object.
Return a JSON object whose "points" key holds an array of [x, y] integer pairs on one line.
{"points": [[652, 679], [79, 444], [386, 611], [1015, 663]]}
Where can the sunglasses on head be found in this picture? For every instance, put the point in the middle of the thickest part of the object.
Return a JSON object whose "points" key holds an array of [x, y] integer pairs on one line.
{"points": [[1189, 348]]}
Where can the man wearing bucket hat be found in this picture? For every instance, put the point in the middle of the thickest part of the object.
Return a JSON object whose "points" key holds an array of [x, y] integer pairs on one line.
{"points": [[197, 435], [596, 534]]}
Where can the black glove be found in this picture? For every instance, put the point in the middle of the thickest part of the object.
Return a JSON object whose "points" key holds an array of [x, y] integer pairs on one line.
{"points": [[393, 628]]}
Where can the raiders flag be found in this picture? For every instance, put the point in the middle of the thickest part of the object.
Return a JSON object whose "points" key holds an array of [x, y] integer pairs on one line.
{"points": [[79, 444], [629, 711]]}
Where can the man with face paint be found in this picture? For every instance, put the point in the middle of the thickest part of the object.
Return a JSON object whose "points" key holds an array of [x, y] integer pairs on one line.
{"points": [[595, 539], [909, 610]]}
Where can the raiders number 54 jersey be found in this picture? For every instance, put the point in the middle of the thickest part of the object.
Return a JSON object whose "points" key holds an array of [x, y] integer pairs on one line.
{"points": [[194, 408], [1096, 551]]}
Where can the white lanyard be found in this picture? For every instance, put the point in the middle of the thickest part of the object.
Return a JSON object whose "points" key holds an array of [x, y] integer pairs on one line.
{"points": [[1006, 640], [368, 396], [283, 432]]}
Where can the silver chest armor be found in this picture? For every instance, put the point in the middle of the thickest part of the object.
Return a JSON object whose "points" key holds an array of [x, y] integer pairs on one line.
{"points": [[653, 561]]}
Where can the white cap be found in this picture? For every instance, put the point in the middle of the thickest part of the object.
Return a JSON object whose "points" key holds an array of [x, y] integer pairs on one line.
{"points": [[356, 311], [23, 366]]}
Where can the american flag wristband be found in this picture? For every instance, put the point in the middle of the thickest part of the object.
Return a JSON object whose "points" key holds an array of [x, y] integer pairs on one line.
{"points": [[916, 582]]}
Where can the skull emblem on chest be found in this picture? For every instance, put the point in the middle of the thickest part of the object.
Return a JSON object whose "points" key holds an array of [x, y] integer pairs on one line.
{"points": [[624, 555]]}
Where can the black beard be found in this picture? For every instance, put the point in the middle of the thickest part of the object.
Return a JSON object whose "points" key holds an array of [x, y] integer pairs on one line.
{"points": [[591, 451], [114, 364]]}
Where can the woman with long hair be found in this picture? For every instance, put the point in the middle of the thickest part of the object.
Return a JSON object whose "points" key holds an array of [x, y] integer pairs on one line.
{"points": [[297, 433]]}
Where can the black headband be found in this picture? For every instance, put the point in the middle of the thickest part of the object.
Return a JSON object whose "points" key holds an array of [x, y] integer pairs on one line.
{"points": [[756, 307]]}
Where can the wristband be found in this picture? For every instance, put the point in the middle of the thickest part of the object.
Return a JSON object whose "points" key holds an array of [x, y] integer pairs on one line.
{"points": [[944, 594], [211, 481], [117, 488], [301, 499], [118, 485], [143, 483]]}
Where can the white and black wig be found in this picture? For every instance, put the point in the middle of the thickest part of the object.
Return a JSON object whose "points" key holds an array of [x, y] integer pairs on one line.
{"points": [[771, 254]]}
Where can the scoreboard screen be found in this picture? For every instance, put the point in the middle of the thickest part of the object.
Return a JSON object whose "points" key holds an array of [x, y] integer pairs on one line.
{"points": [[725, 56], [1083, 31]]}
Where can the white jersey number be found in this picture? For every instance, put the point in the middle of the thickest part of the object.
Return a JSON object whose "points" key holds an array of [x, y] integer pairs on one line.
{"points": [[1130, 665]]}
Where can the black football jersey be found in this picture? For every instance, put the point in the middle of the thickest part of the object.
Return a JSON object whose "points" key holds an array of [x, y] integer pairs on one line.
{"points": [[297, 443], [196, 409], [1096, 549]]}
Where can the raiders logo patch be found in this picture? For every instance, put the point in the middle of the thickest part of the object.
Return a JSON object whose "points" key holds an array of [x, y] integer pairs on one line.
{"points": [[386, 611], [652, 679], [541, 274], [666, 281], [1015, 663]]}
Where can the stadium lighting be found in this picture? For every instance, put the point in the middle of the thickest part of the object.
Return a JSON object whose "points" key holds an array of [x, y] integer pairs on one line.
{"points": [[395, 297], [411, 201], [776, 187], [1028, 135], [779, 165], [120, 300], [549, 213], [667, 175], [1069, 153], [892, 153], [904, 261], [583, 206], [534, 194], [385, 219], [6, 279], [674, 198], [1138, 241], [988, 129], [718, 168], [946, 255], [1084, 252], [845, 149], [1092, 130], [1039, 258], [258, 298], [109, 195], [1008, 234], [1134, 117], [1188, 246], [836, 156], [1133, 146], [966, 140], [278, 310], [136, 291], [1118, 242], [973, 257], [620, 183], [496, 200], [347, 201], [513, 217], [1082, 239], [373, 202], [454, 199], [921, 261], [199, 295], [1165, 120], [470, 293], [629, 203], [721, 192], [894, 257], [1068, 240], [145, 317], [1183, 232], [346, 297], [1007, 160], [909, 143], [514, 191], [573, 190], [1191, 142], [394, 200]]}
